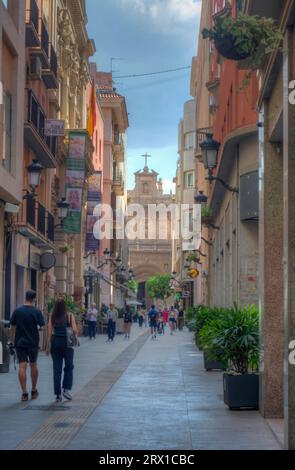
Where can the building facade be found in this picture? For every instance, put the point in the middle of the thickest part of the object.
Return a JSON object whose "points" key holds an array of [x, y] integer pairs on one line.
{"points": [[185, 195], [12, 85], [150, 257], [116, 123]]}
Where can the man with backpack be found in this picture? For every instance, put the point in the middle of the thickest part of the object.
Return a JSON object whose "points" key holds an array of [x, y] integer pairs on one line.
{"points": [[153, 317]]}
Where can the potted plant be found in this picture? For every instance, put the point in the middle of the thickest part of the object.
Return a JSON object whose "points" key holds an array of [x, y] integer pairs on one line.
{"points": [[206, 216], [234, 339], [212, 356], [244, 37]]}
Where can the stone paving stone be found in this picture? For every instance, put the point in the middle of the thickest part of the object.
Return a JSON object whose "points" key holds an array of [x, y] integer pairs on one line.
{"points": [[17, 421], [165, 400]]}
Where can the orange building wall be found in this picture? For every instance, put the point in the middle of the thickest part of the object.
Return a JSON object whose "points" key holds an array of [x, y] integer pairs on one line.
{"points": [[237, 107]]}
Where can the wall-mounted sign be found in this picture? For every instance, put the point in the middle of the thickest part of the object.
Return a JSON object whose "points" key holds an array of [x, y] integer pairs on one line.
{"points": [[34, 262], [54, 128], [21, 250]]}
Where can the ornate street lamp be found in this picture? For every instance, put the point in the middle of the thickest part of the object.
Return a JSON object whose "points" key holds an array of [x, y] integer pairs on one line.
{"points": [[62, 209], [210, 149], [34, 177], [62, 212]]}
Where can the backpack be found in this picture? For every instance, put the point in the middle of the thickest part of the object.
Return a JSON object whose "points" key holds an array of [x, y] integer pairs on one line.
{"points": [[153, 314]]}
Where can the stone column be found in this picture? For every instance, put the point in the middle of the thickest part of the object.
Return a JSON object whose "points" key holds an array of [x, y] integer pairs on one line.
{"points": [[61, 265], [270, 272], [289, 239]]}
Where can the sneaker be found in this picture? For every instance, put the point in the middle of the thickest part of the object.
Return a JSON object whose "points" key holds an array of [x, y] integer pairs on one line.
{"points": [[67, 395], [34, 394], [25, 397], [58, 399]]}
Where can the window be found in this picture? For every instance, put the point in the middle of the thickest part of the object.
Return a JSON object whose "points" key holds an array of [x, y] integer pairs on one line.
{"points": [[189, 180], [5, 3], [145, 188], [7, 131], [189, 140]]}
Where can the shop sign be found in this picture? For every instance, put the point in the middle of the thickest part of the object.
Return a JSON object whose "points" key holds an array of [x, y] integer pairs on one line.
{"points": [[54, 128], [21, 250], [34, 258]]}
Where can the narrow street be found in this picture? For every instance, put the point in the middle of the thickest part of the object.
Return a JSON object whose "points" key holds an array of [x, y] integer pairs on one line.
{"points": [[141, 394]]}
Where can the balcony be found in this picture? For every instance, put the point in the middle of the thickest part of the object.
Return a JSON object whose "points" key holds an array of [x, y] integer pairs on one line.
{"points": [[42, 49], [44, 148], [32, 24], [118, 185], [49, 76], [119, 148], [37, 224], [200, 137]]}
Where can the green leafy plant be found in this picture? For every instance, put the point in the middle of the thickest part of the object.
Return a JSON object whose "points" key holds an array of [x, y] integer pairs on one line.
{"points": [[206, 212], [233, 338], [193, 257], [71, 305], [250, 36], [132, 285], [159, 287]]}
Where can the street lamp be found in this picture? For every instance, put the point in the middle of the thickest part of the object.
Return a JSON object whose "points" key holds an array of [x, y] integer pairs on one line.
{"points": [[62, 209], [62, 212], [210, 149], [34, 174]]}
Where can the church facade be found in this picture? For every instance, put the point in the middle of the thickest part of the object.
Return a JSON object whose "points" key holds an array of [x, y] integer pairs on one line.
{"points": [[149, 257]]}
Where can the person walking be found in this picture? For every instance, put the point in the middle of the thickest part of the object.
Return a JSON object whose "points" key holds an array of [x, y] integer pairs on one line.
{"points": [[112, 316], [27, 321], [127, 322], [172, 320], [92, 321], [165, 315], [140, 317], [180, 319], [58, 323], [153, 317]]}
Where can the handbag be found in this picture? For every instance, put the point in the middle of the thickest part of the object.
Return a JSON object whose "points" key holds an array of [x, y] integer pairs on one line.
{"points": [[72, 340]]}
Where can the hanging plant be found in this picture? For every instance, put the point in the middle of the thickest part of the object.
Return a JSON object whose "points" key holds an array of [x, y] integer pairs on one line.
{"points": [[65, 248], [193, 257], [244, 37], [206, 216]]}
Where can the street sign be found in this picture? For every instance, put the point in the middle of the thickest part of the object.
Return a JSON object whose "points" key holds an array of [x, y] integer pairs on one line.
{"points": [[54, 128]]}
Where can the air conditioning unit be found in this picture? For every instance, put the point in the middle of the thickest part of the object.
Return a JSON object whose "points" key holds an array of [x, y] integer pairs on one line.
{"points": [[35, 68]]}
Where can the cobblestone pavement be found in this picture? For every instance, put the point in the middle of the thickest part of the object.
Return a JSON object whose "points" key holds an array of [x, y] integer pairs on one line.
{"points": [[141, 395]]}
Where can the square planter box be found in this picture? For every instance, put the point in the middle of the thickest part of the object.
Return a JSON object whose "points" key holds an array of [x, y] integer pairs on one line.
{"points": [[241, 391], [211, 364]]}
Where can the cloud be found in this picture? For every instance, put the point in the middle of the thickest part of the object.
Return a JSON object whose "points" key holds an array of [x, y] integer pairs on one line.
{"points": [[166, 14], [168, 186]]}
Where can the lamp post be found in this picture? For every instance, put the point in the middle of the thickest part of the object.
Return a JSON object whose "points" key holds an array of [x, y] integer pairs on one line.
{"points": [[201, 198], [62, 212], [34, 178], [210, 149]]}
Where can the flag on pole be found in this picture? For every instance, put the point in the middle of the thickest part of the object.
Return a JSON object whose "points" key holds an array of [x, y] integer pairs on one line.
{"points": [[92, 112]]}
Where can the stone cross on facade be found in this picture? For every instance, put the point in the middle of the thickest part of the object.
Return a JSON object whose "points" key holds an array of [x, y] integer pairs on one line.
{"points": [[146, 156]]}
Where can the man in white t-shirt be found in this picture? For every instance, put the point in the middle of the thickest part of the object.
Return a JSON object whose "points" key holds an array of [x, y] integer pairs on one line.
{"points": [[92, 321]]}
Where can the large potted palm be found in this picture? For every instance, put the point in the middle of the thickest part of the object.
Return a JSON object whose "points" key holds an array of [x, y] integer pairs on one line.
{"points": [[234, 340], [212, 357]]}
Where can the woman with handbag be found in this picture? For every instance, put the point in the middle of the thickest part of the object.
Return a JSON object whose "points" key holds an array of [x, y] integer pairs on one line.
{"points": [[62, 338]]}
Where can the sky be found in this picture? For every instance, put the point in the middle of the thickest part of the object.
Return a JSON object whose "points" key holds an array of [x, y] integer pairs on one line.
{"points": [[148, 36]]}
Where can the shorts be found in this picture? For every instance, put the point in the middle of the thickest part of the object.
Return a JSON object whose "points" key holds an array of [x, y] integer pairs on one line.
{"points": [[153, 323], [172, 320], [28, 355]]}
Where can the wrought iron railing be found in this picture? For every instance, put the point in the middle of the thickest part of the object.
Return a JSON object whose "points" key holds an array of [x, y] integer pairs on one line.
{"points": [[31, 211], [41, 219], [50, 227], [33, 14]]}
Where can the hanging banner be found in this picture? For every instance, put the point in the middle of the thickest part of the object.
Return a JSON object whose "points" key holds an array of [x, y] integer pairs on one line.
{"points": [[75, 178], [93, 198]]}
